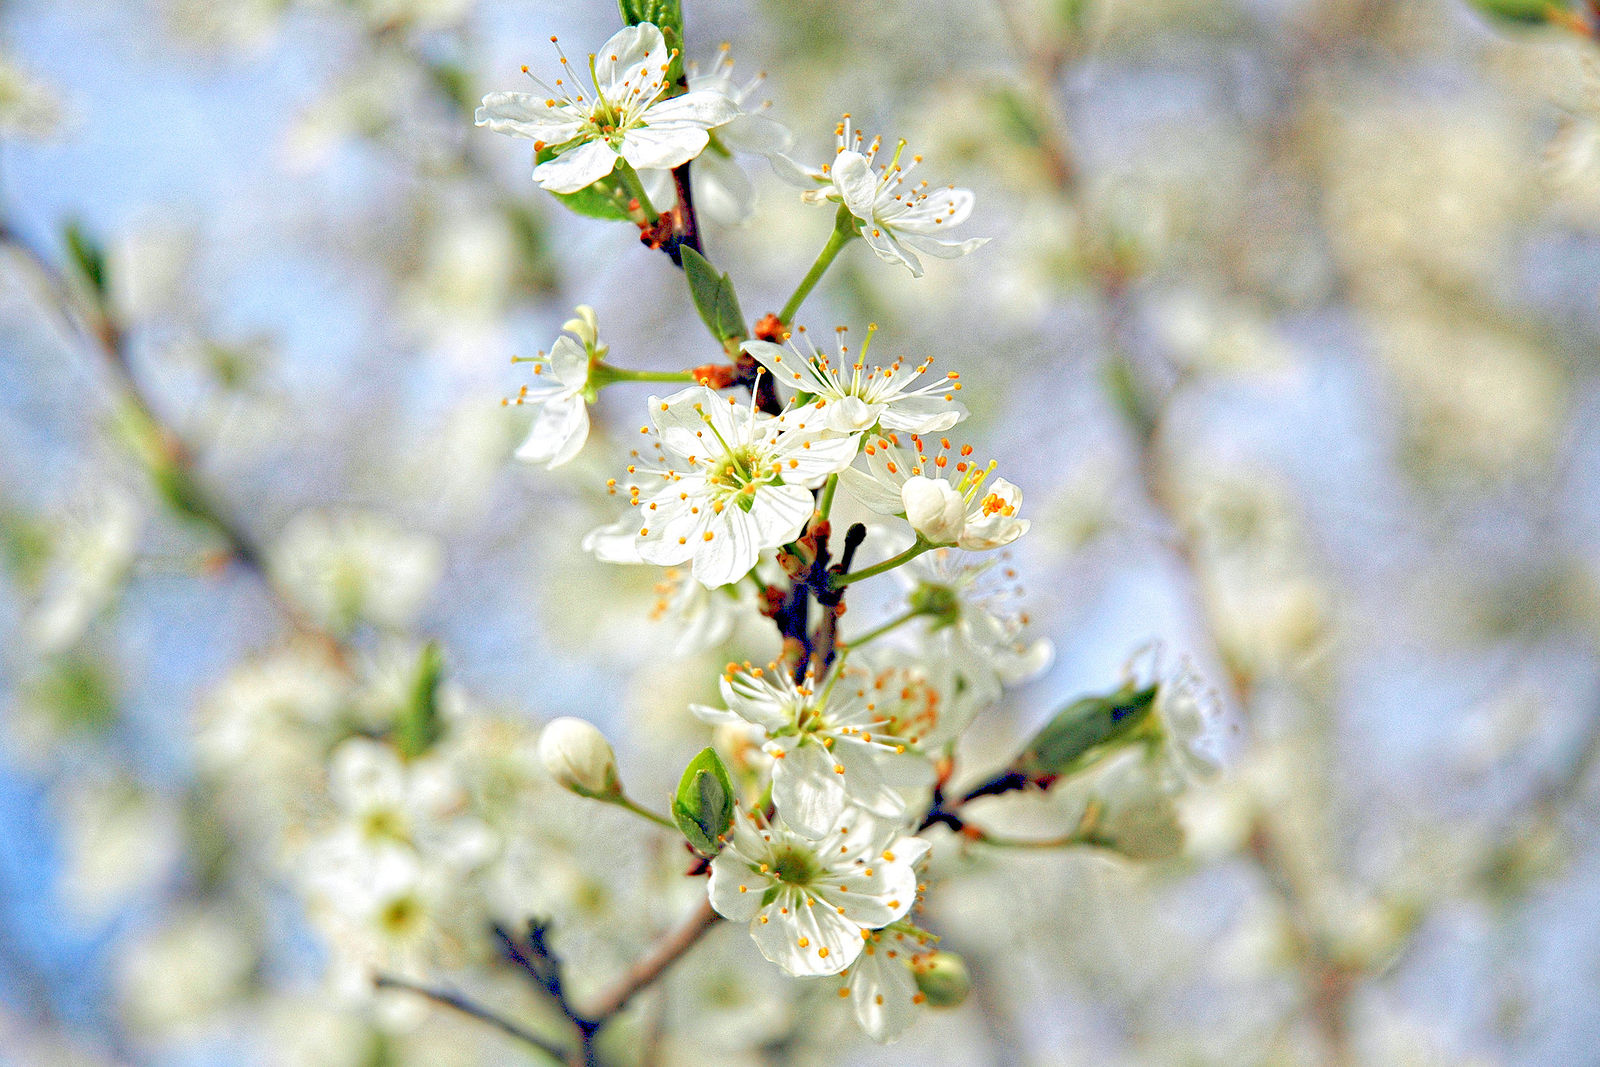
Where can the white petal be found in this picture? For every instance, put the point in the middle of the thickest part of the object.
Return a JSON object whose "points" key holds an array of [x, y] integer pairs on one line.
{"points": [[940, 249], [882, 988], [570, 362], [630, 50], [723, 192], [832, 942], [730, 553], [755, 134], [922, 414], [730, 871], [576, 168], [809, 795], [796, 174], [648, 146], [558, 432], [871, 493], [703, 108], [889, 250], [780, 513], [857, 184], [527, 115]]}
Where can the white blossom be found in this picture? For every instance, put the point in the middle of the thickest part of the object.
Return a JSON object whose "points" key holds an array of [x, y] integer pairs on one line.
{"points": [[834, 749], [722, 191], [946, 497], [898, 219], [810, 902], [731, 483], [623, 113], [561, 423], [347, 567], [854, 397]]}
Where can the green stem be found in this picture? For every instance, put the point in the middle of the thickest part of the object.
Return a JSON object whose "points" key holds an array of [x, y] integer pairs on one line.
{"points": [[874, 634], [628, 178], [825, 503], [604, 374], [622, 800], [844, 228], [889, 564]]}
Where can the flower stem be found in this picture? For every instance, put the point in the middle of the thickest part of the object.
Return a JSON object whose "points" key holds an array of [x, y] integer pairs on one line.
{"points": [[825, 502], [605, 374], [628, 178], [889, 564], [622, 800], [844, 228], [892, 624]]}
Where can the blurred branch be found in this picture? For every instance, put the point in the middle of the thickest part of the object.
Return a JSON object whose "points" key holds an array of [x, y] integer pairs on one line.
{"points": [[170, 462], [473, 1010]]}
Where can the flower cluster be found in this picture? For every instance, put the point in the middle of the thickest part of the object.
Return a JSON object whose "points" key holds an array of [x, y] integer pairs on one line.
{"points": [[841, 747]]}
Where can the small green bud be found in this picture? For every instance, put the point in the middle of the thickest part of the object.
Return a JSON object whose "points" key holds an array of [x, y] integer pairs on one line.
{"points": [[703, 806], [943, 979], [1084, 731], [579, 757]]}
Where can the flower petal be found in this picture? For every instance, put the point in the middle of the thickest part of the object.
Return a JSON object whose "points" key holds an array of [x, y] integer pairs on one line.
{"points": [[576, 168], [804, 939], [558, 433]]}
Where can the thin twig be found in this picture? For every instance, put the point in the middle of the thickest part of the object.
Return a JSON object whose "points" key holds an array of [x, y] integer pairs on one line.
{"points": [[476, 1011], [651, 967]]}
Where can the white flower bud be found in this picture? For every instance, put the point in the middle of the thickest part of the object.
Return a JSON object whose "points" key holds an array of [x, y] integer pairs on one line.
{"points": [[934, 509], [579, 757]]}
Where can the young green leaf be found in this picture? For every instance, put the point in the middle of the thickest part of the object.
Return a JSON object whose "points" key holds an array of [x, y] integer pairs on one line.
{"points": [[713, 296], [703, 806]]}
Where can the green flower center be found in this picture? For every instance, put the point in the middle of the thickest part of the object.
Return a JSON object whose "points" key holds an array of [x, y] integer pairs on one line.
{"points": [[795, 867]]}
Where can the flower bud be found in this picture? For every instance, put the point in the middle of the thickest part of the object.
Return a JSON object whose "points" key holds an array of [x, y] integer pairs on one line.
{"points": [[579, 757], [934, 509], [943, 979]]}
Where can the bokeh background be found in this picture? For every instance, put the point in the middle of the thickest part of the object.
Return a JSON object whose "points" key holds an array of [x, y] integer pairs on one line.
{"points": [[1288, 328]]}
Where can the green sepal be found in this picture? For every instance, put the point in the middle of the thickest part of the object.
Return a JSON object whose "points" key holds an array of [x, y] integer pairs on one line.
{"points": [[703, 805], [1084, 731], [602, 200], [713, 296], [419, 726]]}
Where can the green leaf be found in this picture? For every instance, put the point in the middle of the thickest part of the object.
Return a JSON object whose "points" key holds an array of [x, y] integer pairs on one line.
{"points": [[713, 296], [703, 806], [1522, 12], [87, 256], [602, 200], [419, 727], [1085, 730]]}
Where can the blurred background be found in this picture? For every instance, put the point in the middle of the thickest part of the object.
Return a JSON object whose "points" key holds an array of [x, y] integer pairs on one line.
{"points": [[1289, 329]]}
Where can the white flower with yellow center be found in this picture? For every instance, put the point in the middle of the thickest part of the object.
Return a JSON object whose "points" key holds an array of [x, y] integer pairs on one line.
{"points": [[622, 114], [730, 483], [562, 393], [898, 218], [833, 749], [946, 497], [811, 904], [854, 397]]}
